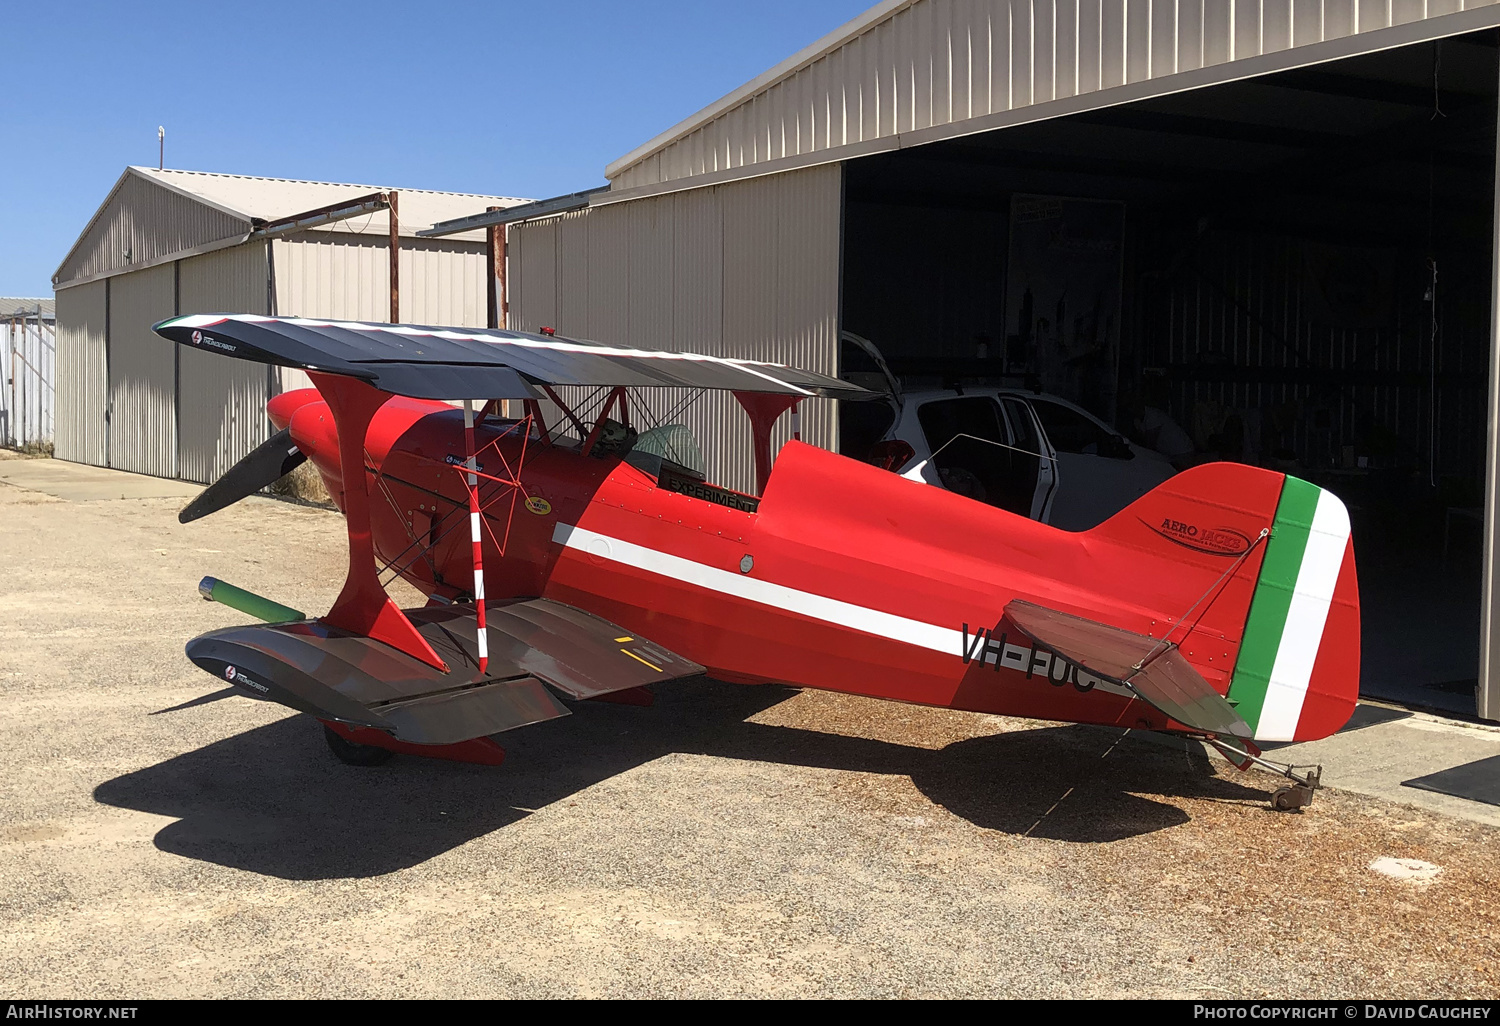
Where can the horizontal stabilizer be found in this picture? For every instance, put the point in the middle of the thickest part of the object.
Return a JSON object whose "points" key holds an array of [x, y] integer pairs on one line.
{"points": [[1155, 671], [338, 675]]}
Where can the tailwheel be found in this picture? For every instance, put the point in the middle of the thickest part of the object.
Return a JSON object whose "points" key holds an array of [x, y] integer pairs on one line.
{"points": [[1287, 798], [1291, 798], [352, 753]]}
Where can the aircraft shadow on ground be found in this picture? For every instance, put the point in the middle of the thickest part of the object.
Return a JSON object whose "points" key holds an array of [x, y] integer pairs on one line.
{"points": [[275, 801]]}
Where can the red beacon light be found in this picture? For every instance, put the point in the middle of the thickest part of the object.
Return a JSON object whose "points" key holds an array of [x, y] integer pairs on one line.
{"points": [[549, 332]]}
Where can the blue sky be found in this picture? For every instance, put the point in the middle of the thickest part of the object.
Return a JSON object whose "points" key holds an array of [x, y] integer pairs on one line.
{"points": [[522, 99]]}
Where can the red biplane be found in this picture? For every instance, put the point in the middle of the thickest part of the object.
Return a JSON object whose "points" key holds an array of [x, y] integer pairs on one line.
{"points": [[588, 557]]}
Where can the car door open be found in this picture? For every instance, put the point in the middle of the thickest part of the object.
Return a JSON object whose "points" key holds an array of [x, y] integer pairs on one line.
{"points": [[1032, 456], [976, 455], [1099, 474]]}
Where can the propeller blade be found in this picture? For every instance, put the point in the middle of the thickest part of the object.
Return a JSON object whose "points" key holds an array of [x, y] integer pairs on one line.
{"points": [[272, 460]]}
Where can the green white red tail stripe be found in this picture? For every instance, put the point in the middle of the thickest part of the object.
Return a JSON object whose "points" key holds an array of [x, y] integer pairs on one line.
{"points": [[1289, 621]]}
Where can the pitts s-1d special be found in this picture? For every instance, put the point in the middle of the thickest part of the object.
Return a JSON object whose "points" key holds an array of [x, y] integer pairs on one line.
{"points": [[589, 557]]}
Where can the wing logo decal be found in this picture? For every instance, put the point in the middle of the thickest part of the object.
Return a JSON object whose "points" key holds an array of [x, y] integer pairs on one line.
{"points": [[237, 676], [200, 339]]}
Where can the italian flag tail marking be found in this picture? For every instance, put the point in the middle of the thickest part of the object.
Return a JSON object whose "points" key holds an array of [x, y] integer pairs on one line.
{"points": [[1298, 634]]}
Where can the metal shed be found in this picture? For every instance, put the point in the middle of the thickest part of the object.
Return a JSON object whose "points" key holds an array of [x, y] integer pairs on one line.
{"points": [[26, 371], [167, 242], [782, 214]]}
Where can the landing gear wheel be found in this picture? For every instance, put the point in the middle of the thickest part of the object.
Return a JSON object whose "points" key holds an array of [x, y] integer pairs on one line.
{"points": [[1287, 798], [351, 753], [1291, 798]]}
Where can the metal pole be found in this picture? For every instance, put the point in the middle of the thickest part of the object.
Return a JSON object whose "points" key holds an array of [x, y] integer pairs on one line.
{"points": [[494, 239], [38, 370], [395, 261], [7, 364], [17, 328], [499, 310], [25, 399], [18, 365], [1487, 694], [49, 384], [23, 390], [502, 280]]}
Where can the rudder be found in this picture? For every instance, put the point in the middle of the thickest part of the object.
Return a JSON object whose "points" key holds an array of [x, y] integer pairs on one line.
{"points": [[1292, 599]]}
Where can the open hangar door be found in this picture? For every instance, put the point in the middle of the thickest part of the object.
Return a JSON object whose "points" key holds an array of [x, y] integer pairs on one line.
{"points": [[1293, 271]]}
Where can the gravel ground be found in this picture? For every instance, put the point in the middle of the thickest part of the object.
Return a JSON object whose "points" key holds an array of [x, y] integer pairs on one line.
{"points": [[730, 841]]}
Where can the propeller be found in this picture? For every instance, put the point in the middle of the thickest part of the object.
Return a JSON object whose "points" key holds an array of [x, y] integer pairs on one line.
{"points": [[270, 461]]}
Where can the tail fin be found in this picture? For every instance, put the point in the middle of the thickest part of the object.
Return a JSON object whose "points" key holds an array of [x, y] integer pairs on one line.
{"points": [[1290, 606]]}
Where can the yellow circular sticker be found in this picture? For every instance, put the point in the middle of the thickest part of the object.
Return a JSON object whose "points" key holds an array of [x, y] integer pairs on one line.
{"points": [[538, 505]]}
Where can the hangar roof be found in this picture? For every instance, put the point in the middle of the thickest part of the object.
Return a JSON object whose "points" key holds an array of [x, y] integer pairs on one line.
{"points": [[152, 215], [270, 198], [908, 72], [20, 306]]}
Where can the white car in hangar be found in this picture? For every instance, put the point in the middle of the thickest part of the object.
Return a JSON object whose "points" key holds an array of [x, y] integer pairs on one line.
{"points": [[1028, 452]]}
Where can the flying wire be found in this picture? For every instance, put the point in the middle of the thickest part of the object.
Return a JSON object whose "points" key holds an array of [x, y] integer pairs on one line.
{"points": [[988, 441], [1165, 645], [1070, 790]]}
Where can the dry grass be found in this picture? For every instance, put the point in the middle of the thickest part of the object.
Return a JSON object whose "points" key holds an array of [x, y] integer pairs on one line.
{"points": [[303, 484], [29, 450]]}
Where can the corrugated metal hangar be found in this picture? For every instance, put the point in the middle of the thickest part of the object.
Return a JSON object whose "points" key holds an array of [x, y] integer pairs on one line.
{"points": [[176, 242], [1273, 219], [26, 372]]}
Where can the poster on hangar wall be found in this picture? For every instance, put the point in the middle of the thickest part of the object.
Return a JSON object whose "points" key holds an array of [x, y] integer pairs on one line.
{"points": [[1063, 297]]}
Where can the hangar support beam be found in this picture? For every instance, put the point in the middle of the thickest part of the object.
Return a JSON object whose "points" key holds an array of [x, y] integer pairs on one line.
{"points": [[1487, 698]]}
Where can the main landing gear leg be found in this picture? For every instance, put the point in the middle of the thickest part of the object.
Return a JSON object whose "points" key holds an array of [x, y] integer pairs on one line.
{"points": [[366, 746], [1289, 797], [352, 753]]}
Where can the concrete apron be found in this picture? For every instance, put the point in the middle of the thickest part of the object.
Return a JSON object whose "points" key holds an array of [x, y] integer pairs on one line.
{"points": [[76, 482], [1384, 746]]}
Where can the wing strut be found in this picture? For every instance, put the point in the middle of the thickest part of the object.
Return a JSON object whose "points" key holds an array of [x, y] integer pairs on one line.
{"points": [[765, 409], [472, 465], [363, 606]]}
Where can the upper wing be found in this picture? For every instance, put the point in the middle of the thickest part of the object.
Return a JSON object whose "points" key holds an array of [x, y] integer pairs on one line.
{"points": [[471, 363], [1159, 676], [339, 675]]}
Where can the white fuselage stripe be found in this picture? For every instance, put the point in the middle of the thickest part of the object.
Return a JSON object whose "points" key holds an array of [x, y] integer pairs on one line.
{"points": [[1303, 634], [743, 586], [777, 596]]}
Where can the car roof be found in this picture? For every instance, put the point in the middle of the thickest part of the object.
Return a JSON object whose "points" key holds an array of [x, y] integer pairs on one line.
{"points": [[927, 394]]}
